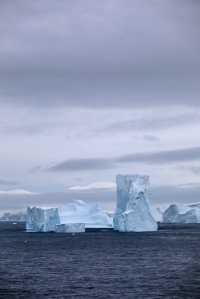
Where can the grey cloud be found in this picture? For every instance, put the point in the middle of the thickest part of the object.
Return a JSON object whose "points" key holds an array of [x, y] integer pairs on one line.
{"points": [[155, 122], [83, 164], [175, 194], [171, 156], [6, 182], [99, 53], [162, 157], [30, 128], [151, 138], [98, 90], [193, 169]]}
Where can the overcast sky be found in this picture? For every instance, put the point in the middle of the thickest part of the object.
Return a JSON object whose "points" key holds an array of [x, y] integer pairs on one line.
{"points": [[90, 89]]}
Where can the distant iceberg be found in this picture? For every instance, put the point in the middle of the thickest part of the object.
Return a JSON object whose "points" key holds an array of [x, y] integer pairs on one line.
{"points": [[133, 212], [41, 219], [182, 214], [91, 214]]}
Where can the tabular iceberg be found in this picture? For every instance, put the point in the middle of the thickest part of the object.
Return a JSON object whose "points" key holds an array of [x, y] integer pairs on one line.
{"points": [[91, 214], [41, 220], [182, 214], [133, 212], [70, 228]]}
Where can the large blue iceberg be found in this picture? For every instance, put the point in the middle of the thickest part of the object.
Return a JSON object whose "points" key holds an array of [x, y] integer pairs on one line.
{"points": [[133, 212]]}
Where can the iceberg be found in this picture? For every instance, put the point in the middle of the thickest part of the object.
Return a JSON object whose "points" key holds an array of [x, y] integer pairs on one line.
{"points": [[73, 217], [156, 213], [42, 219], [16, 217], [70, 228], [91, 214], [133, 212], [182, 214]]}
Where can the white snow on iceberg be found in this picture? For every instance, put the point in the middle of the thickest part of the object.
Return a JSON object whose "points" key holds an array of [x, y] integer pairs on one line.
{"points": [[133, 211]]}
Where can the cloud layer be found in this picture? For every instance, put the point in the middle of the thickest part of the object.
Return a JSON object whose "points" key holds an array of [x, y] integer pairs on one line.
{"points": [[89, 90], [99, 54], [162, 157]]}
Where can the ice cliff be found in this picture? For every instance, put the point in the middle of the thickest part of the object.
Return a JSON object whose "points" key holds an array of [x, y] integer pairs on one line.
{"points": [[133, 212], [42, 220]]}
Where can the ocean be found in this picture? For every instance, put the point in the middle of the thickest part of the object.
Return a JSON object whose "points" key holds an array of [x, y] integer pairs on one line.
{"points": [[107, 264]]}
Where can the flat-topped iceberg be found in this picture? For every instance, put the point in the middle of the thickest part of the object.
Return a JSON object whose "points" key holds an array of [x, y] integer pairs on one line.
{"points": [[42, 219], [73, 217], [133, 211], [182, 214], [91, 214], [70, 228]]}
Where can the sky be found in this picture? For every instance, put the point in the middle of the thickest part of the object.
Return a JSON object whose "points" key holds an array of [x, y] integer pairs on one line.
{"points": [[90, 89]]}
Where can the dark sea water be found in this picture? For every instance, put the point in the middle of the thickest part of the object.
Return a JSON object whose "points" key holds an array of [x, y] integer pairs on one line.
{"points": [[164, 264]]}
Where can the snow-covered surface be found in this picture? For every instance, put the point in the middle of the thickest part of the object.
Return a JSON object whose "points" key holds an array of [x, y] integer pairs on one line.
{"points": [[133, 212], [91, 214], [182, 213], [42, 220], [70, 228]]}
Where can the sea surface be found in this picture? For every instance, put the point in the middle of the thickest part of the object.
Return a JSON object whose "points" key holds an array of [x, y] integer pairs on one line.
{"points": [[163, 264]]}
